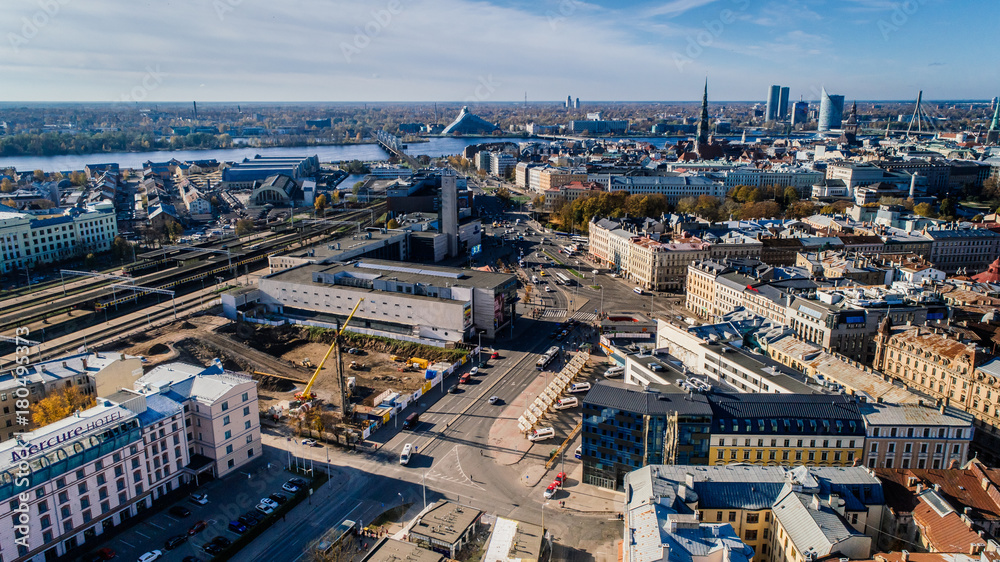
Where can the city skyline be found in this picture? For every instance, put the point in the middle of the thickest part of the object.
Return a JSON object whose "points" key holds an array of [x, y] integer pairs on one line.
{"points": [[458, 50]]}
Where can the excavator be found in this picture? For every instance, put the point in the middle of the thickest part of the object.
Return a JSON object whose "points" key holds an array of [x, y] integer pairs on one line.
{"points": [[307, 394]]}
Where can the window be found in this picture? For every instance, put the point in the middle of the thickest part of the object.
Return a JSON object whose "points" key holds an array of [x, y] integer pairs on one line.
{"points": [[718, 516], [229, 449], [245, 397], [751, 534], [225, 405], [250, 440], [246, 425], [225, 420], [246, 410], [753, 518], [228, 434], [732, 516]]}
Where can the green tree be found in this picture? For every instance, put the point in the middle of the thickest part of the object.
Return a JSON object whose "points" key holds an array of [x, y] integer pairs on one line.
{"points": [[174, 230], [791, 195], [244, 227], [924, 210], [121, 248]]}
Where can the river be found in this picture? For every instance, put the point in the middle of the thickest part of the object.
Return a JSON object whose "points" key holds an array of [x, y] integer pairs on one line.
{"points": [[435, 146]]}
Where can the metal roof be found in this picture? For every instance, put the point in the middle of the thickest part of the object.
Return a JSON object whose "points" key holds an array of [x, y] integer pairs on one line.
{"points": [[635, 399]]}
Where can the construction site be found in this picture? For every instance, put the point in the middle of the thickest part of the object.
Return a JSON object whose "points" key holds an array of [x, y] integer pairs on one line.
{"points": [[284, 359]]}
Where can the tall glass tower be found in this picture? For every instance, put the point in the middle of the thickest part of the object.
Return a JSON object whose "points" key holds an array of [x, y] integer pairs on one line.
{"points": [[831, 111]]}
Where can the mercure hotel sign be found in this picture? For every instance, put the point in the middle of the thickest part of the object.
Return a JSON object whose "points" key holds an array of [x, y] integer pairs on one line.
{"points": [[69, 434]]}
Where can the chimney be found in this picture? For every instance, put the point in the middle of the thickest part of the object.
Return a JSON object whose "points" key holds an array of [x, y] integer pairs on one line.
{"points": [[920, 487], [815, 505], [985, 483], [689, 480], [937, 487], [905, 555]]}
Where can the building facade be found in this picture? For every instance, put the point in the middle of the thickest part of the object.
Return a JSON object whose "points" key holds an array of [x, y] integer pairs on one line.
{"points": [[28, 239]]}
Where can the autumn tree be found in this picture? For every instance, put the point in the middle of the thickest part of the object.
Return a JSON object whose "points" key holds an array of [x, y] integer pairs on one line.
{"points": [[924, 210], [39, 175], [320, 203], [78, 178], [393, 223], [6, 185], [174, 230], [121, 248], [60, 405], [244, 227]]}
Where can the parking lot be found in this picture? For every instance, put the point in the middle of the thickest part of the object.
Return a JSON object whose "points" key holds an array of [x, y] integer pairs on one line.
{"points": [[228, 498]]}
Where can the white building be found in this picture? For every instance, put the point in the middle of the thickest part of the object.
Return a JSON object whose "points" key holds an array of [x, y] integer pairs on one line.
{"points": [[501, 163], [32, 238], [674, 188], [802, 179], [407, 301], [80, 477]]}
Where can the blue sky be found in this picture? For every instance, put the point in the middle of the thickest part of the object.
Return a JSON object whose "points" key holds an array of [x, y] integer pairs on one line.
{"points": [[446, 50]]}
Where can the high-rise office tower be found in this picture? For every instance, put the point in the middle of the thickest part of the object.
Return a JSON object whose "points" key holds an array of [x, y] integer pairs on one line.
{"points": [[771, 113], [576, 103], [569, 101], [831, 111], [783, 103], [800, 113]]}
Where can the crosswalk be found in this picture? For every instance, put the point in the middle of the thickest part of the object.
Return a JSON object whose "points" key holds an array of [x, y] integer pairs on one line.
{"points": [[585, 316], [554, 313], [561, 313]]}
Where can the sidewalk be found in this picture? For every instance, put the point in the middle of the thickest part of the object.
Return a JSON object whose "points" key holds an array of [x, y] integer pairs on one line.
{"points": [[507, 442]]}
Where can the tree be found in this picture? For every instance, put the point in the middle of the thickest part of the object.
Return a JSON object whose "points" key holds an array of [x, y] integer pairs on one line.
{"points": [[174, 230], [121, 248], [78, 178], [60, 405], [39, 175], [924, 210], [504, 194], [320, 203], [800, 209], [6, 185], [686, 205], [90, 260], [244, 227], [393, 223], [791, 195]]}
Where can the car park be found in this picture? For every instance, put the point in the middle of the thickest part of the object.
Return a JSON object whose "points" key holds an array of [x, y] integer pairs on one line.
{"points": [[614, 372], [298, 482], [191, 559], [103, 554], [179, 511], [566, 403], [541, 434], [150, 556], [222, 541], [197, 528], [175, 541], [213, 548]]}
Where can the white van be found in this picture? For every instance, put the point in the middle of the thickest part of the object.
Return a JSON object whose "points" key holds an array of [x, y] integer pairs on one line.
{"points": [[637, 290], [614, 372], [566, 403], [579, 387], [404, 457], [541, 434]]}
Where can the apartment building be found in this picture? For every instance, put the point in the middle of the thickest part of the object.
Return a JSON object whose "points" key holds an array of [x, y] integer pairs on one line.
{"points": [[92, 374], [785, 429], [783, 514], [552, 177], [967, 249], [915, 435], [28, 239], [955, 372]]}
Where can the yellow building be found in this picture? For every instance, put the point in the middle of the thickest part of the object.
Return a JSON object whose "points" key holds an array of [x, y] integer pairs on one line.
{"points": [[785, 430]]}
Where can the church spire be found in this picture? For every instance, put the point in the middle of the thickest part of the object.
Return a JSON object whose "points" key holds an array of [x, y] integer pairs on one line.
{"points": [[703, 123]]}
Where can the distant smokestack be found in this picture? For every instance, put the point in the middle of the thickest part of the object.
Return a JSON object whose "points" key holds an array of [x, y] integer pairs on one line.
{"points": [[195, 109]]}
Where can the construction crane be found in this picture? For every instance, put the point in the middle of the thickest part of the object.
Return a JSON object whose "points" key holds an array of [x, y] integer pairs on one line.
{"points": [[306, 393]]}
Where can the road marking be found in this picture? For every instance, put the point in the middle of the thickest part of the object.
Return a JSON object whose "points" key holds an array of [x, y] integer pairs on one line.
{"points": [[142, 535], [157, 526], [126, 544], [171, 518]]}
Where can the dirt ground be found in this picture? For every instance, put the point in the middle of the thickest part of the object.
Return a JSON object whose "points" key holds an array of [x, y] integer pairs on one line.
{"points": [[201, 339], [379, 373]]}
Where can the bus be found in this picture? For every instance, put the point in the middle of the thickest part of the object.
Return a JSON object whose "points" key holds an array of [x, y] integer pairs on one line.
{"points": [[546, 359], [561, 277], [580, 240]]}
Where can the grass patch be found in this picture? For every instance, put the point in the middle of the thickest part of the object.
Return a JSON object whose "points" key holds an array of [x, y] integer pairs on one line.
{"points": [[561, 262]]}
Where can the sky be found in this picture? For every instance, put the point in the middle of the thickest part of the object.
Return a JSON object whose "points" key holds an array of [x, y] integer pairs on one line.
{"points": [[492, 51]]}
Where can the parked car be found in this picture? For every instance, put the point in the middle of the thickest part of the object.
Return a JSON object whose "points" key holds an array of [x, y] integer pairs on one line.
{"points": [[197, 528], [103, 554], [150, 556], [298, 482], [175, 541], [289, 487], [310, 443], [269, 503], [213, 548], [253, 517], [560, 479], [237, 527], [191, 559], [180, 511], [265, 509], [222, 541], [474, 371], [279, 498], [551, 490], [200, 499]]}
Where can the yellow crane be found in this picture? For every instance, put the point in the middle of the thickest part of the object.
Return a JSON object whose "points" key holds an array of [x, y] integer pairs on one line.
{"points": [[306, 393]]}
